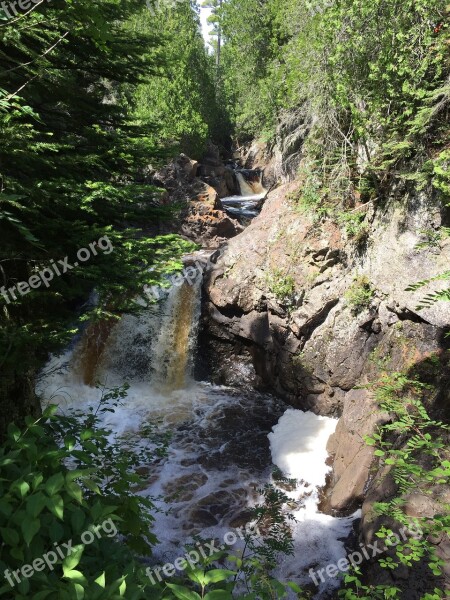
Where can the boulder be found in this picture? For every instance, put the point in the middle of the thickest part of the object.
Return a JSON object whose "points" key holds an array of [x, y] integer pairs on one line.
{"points": [[201, 217]]}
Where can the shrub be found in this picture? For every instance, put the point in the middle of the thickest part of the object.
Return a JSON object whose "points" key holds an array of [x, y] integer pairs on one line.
{"points": [[282, 286], [46, 504], [359, 295]]}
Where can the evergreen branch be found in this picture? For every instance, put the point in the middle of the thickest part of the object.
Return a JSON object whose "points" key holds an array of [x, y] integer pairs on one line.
{"points": [[35, 59]]}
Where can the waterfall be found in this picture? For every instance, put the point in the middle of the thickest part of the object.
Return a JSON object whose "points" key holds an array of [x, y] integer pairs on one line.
{"points": [[219, 452], [173, 352], [155, 347], [252, 186], [248, 204]]}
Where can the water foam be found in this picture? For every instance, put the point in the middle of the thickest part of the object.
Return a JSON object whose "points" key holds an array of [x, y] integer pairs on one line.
{"points": [[298, 446]]}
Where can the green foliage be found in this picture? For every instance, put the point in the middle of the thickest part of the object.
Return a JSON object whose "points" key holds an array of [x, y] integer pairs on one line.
{"points": [[414, 447], [421, 462], [182, 99], [114, 463], [251, 79], [432, 297], [282, 286], [270, 516], [371, 110], [45, 503], [433, 237], [355, 226], [360, 294], [74, 141], [441, 171]]}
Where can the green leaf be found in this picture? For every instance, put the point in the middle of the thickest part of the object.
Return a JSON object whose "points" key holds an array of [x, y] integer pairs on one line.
{"points": [[30, 527], [74, 490], [54, 484], [5, 508], [72, 561], [86, 434], [295, 587], [183, 593], [56, 531], [10, 536], [14, 431], [91, 485], [79, 591], [78, 520], [35, 503], [17, 553], [216, 575], [75, 576], [21, 488], [56, 505], [70, 442], [101, 580], [51, 410]]}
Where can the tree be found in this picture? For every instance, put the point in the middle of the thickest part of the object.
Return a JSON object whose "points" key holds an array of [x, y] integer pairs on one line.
{"points": [[70, 156]]}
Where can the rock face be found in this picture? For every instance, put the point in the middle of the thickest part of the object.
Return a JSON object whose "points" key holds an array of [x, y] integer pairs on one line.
{"points": [[280, 161], [299, 308], [310, 311]]}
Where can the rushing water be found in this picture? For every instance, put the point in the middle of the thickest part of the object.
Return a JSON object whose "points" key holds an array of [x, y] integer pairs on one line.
{"points": [[248, 204], [224, 440]]}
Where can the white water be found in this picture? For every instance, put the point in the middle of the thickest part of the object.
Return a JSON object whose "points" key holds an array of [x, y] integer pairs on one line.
{"points": [[298, 446], [220, 448], [247, 204]]}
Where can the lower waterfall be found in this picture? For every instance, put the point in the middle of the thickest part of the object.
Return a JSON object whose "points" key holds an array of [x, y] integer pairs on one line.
{"points": [[222, 445]]}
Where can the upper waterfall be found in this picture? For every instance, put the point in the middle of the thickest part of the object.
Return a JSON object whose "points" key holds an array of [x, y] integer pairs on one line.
{"points": [[251, 184], [248, 204]]}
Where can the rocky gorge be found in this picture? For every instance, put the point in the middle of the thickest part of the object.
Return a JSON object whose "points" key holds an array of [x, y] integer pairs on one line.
{"points": [[312, 310]]}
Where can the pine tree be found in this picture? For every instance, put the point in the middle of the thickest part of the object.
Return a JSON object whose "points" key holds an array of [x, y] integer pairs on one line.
{"points": [[70, 154]]}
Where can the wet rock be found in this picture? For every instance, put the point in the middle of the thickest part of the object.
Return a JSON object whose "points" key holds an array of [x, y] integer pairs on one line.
{"points": [[212, 509], [352, 456], [241, 519], [183, 488]]}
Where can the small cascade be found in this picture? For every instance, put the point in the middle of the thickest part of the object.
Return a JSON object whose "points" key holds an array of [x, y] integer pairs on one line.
{"points": [[250, 182], [174, 350], [156, 346], [248, 204], [88, 352]]}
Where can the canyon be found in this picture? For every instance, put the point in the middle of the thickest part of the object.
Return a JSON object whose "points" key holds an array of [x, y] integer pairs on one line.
{"points": [[299, 306]]}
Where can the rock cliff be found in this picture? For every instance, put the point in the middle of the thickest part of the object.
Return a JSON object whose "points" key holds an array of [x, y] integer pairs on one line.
{"points": [[303, 307]]}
